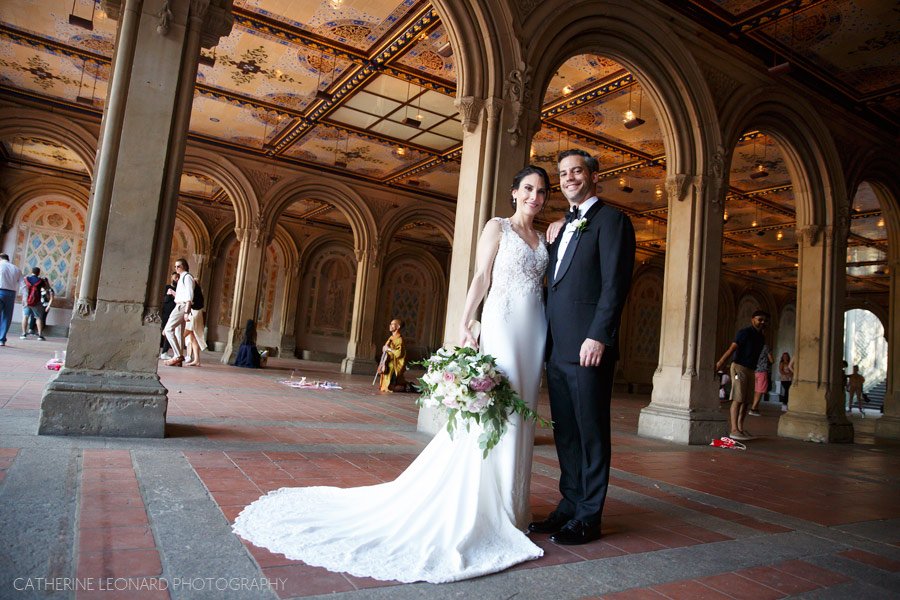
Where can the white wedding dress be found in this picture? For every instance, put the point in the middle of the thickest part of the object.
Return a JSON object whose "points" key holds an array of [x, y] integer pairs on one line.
{"points": [[452, 514]]}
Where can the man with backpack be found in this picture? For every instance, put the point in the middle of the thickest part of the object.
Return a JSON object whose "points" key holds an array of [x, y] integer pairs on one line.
{"points": [[32, 307]]}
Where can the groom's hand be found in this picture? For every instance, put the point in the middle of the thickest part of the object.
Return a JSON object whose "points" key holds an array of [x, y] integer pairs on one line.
{"points": [[591, 353]]}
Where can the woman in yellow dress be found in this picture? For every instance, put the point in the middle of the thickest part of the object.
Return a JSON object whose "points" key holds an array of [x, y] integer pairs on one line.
{"points": [[393, 359]]}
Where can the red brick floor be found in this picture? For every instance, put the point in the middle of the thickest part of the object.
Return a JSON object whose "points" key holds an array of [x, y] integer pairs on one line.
{"points": [[116, 550], [357, 436]]}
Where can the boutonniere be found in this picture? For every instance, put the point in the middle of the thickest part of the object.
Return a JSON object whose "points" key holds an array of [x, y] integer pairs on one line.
{"points": [[580, 224]]}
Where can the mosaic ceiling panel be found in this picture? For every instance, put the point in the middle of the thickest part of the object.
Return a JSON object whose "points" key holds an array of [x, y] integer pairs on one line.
{"points": [[357, 23], [201, 186], [359, 154], [851, 46], [43, 152], [579, 72], [443, 178], [749, 154], [430, 55], [856, 41]]}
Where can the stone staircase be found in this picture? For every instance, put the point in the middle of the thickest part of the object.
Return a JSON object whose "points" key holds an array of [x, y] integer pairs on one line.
{"points": [[876, 395]]}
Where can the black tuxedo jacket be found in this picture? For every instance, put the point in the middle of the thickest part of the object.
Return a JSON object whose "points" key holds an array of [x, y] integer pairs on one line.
{"points": [[586, 296]]}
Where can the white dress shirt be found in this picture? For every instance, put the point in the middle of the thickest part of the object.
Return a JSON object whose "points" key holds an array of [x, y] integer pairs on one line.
{"points": [[569, 231], [184, 291], [10, 276]]}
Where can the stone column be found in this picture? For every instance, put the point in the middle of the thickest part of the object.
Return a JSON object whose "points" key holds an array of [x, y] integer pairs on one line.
{"points": [[251, 257], [288, 344], [199, 268], [888, 426], [684, 405], [110, 385], [360, 357], [494, 149], [816, 411]]}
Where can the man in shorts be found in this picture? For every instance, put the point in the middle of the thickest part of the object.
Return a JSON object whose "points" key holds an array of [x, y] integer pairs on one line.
{"points": [[746, 348]]}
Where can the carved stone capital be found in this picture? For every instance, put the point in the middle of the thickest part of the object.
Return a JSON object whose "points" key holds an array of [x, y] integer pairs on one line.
{"points": [[493, 108], [84, 308], [164, 19], [470, 111], [808, 235], [241, 233], [677, 186], [217, 23], [517, 90], [152, 316]]}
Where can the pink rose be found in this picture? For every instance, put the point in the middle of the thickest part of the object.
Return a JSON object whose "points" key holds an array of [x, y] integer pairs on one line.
{"points": [[449, 377], [482, 384]]}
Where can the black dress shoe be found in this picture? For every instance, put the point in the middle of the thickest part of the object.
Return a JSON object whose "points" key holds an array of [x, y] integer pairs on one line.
{"points": [[575, 533], [551, 524]]}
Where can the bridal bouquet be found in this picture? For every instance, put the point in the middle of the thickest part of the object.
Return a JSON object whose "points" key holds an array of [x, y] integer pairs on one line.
{"points": [[468, 386]]}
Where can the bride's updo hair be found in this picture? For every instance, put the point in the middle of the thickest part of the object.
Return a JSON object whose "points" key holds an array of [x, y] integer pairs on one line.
{"points": [[529, 170]]}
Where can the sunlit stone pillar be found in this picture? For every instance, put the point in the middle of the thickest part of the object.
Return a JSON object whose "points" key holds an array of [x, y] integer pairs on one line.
{"points": [[360, 357], [888, 426], [109, 385], [816, 411], [496, 143], [248, 274], [288, 342], [684, 405]]}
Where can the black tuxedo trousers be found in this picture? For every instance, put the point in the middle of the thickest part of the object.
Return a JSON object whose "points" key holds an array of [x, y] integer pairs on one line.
{"points": [[585, 298]]}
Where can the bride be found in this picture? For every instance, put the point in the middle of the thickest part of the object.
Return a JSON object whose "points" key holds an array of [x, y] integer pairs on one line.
{"points": [[452, 514]]}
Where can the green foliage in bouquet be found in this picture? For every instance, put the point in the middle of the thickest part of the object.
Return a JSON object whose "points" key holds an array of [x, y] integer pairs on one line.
{"points": [[469, 386]]}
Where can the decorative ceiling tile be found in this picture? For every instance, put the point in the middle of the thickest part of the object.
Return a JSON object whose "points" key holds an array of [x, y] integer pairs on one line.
{"points": [[577, 73], [425, 55], [328, 145], [43, 152]]}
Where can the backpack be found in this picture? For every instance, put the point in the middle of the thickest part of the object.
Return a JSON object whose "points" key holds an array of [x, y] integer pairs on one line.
{"points": [[34, 292], [197, 303]]}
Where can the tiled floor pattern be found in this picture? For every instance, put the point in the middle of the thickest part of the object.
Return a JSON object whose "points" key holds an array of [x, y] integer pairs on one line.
{"points": [[246, 410], [116, 549]]}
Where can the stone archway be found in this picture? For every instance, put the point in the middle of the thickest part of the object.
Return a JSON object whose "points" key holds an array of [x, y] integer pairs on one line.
{"points": [[683, 406], [44, 125], [822, 212]]}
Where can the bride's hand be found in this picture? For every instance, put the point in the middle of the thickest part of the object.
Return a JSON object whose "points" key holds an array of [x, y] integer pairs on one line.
{"points": [[466, 338], [554, 229]]}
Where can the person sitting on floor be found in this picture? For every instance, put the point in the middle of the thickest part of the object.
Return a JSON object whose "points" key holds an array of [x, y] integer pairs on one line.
{"points": [[393, 363], [248, 355]]}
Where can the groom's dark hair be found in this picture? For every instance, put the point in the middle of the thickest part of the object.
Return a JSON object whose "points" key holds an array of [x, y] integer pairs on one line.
{"points": [[592, 164]]}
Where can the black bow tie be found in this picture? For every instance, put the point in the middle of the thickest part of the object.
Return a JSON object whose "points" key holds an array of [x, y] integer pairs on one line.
{"points": [[572, 214]]}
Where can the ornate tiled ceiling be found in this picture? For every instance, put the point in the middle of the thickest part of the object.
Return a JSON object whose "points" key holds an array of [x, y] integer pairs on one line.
{"points": [[850, 46], [42, 153], [288, 85]]}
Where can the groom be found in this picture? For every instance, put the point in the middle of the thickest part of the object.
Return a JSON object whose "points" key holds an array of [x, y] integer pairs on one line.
{"points": [[589, 275]]}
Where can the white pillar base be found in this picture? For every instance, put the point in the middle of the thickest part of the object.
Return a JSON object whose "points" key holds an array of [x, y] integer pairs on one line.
{"points": [[811, 427], [887, 427], [358, 366], [681, 425], [104, 404]]}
